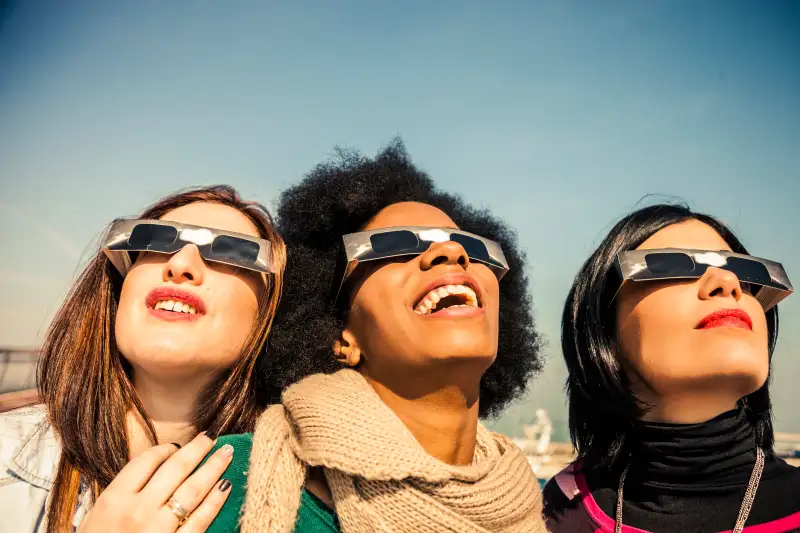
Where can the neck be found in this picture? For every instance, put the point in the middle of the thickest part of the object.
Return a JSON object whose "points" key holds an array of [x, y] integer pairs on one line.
{"points": [[718, 452], [689, 407], [169, 404], [444, 422]]}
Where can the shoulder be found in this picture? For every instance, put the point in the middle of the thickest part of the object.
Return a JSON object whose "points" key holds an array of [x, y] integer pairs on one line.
{"points": [[563, 502], [29, 449], [18, 422], [780, 473]]}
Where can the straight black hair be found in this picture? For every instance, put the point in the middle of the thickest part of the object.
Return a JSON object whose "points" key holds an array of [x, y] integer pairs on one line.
{"points": [[602, 408]]}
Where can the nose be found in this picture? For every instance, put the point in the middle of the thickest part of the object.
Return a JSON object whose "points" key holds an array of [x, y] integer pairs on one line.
{"points": [[185, 266], [444, 253], [718, 283]]}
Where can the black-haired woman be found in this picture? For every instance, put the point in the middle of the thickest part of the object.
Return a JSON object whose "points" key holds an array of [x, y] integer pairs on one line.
{"points": [[431, 328], [668, 333]]}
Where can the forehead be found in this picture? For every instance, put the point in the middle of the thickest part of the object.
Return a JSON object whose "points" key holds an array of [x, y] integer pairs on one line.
{"points": [[213, 215], [410, 214], [691, 234]]}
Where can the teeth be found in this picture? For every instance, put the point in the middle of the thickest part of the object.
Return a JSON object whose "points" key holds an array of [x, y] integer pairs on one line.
{"points": [[436, 295], [175, 307]]}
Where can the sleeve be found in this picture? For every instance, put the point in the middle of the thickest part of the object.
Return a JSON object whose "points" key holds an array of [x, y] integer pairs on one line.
{"points": [[563, 515]]}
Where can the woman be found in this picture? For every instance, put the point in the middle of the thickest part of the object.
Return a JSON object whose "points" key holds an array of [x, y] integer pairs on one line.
{"points": [[414, 324], [668, 333], [155, 344]]}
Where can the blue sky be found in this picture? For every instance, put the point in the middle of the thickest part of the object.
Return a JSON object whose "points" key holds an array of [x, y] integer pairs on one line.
{"points": [[559, 115]]}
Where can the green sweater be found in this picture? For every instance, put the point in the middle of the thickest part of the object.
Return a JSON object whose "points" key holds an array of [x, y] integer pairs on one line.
{"points": [[312, 517]]}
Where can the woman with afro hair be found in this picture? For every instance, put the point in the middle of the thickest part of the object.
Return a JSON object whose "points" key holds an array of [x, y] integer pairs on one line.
{"points": [[405, 318]]}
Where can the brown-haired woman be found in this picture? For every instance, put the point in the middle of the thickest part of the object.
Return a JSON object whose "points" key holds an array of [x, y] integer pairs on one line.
{"points": [[150, 350]]}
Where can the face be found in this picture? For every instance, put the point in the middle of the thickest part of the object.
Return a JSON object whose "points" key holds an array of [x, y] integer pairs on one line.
{"points": [[670, 342], [428, 311], [179, 315]]}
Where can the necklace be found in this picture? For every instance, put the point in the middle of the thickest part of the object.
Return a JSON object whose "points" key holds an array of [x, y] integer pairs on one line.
{"points": [[744, 510]]}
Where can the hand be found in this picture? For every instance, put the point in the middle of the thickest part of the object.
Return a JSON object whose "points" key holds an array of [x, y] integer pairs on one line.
{"points": [[137, 500]]}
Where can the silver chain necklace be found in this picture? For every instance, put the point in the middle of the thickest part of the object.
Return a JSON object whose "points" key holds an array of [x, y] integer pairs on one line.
{"points": [[744, 510]]}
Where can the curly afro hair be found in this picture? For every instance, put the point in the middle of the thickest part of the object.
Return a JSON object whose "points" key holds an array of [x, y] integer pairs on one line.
{"points": [[341, 196]]}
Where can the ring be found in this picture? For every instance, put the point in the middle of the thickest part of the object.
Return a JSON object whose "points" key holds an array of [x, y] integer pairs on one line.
{"points": [[177, 509]]}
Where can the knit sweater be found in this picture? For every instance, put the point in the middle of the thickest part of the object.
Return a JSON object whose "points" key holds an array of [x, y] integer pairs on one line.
{"points": [[313, 516]]}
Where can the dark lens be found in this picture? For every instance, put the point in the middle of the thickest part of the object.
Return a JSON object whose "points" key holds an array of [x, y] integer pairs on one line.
{"points": [[748, 270], [394, 242], [152, 236], [669, 264], [234, 249], [475, 248]]}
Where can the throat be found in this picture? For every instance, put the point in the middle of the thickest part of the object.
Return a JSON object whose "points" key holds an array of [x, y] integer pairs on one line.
{"points": [[445, 423], [718, 453]]}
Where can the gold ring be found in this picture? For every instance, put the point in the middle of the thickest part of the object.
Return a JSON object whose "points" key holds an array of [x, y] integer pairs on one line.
{"points": [[177, 509]]}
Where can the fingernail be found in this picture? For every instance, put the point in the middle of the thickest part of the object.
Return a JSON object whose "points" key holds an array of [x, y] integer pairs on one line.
{"points": [[226, 449], [224, 485], [176, 445], [207, 435]]}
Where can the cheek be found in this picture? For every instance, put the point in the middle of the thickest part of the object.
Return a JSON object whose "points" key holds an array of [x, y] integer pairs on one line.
{"points": [[238, 305], [760, 329], [131, 310], [654, 335], [491, 286], [379, 312]]}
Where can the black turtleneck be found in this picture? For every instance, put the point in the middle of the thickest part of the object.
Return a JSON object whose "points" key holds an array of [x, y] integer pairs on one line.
{"points": [[692, 478]]}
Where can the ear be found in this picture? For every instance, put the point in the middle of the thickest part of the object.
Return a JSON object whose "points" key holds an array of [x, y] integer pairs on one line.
{"points": [[346, 349]]}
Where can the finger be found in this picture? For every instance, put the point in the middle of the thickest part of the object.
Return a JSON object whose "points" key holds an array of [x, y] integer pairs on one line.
{"points": [[207, 511], [192, 491], [140, 469], [175, 470]]}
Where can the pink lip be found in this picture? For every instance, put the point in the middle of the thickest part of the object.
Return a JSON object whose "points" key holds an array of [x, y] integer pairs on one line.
{"points": [[726, 318], [178, 295], [461, 278]]}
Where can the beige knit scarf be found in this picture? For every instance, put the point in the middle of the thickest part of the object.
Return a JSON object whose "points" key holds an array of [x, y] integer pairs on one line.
{"points": [[381, 479]]}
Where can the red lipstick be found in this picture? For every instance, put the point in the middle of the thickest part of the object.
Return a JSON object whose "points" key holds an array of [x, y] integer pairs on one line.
{"points": [[726, 318], [177, 295]]}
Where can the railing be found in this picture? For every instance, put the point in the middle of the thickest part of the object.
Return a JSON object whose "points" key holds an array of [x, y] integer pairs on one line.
{"points": [[17, 368]]}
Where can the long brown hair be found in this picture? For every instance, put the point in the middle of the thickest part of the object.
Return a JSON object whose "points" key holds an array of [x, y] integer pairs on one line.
{"points": [[86, 385]]}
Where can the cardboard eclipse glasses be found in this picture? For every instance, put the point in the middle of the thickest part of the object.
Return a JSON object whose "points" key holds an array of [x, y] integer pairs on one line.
{"points": [[386, 243], [140, 235], [768, 280]]}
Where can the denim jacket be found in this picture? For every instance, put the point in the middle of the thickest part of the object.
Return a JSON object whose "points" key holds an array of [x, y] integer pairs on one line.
{"points": [[29, 453]]}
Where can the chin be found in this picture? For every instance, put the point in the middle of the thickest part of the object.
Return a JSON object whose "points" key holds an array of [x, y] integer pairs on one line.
{"points": [[743, 378], [166, 352], [483, 353]]}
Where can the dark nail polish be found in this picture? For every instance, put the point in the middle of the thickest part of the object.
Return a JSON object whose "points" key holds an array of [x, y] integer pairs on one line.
{"points": [[225, 485], [176, 445]]}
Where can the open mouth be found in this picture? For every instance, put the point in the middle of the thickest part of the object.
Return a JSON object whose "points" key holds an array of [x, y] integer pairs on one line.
{"points": [[447, 297], [175, 307], [173, 303]]}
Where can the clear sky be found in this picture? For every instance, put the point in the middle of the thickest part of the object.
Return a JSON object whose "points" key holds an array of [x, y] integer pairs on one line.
{"points": [[559, 115]]}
